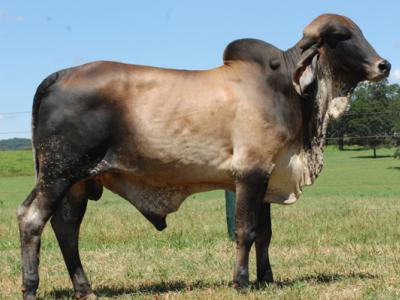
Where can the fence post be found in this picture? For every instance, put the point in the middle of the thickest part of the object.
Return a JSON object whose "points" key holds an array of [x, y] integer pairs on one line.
{"points": [[230, 213]]}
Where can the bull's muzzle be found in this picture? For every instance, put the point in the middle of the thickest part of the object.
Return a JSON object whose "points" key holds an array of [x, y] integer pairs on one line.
{"points": [[384, 66], [379, 70]]}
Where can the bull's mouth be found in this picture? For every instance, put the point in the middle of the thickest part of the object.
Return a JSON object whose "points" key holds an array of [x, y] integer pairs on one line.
{"points": [[377, 77]]}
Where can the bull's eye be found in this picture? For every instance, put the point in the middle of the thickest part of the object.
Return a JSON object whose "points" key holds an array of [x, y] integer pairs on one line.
{"points": [[332, 43], [333, 39]]}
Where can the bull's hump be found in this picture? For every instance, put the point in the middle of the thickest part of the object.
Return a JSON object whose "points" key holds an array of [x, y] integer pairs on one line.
{"points": [[253, 50]]}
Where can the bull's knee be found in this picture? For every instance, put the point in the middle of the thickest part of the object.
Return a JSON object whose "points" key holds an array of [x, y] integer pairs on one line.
{"points": [[30, 220], [245, 237]]}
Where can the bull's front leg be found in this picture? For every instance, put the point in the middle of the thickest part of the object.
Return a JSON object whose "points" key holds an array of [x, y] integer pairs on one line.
{"points": [[263, 238], [250, 191]]}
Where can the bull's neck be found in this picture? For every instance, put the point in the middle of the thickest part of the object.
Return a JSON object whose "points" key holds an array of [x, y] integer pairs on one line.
{"points": [[314, 116], [290, 58]]}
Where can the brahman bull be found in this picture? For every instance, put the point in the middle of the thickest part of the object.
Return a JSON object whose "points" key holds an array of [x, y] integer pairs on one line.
{"points": [[255, 125]]}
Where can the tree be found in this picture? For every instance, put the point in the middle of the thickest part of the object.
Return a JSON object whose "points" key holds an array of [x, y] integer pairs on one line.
{"points": [[373, 119], [337, 130]]}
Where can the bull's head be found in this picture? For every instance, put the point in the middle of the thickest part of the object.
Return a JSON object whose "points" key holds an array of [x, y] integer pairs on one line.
{"points": [[334, 47]]}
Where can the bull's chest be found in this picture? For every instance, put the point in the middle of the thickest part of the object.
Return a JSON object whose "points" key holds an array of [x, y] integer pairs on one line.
{"points": [[290, 174]]}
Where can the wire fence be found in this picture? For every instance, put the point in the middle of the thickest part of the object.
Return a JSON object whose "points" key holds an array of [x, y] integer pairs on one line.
{"points": [[14, 132], [14, 113]]}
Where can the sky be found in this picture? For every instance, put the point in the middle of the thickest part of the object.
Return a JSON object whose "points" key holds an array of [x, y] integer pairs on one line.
{"points": [[40, 37]]}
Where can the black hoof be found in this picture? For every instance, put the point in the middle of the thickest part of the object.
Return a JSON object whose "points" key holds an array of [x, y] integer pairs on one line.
{"points": [[241, 282], [29, 296], [267, 278]]}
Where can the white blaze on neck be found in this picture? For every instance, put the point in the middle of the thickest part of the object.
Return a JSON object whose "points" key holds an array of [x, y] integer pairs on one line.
{"points": [[337, 107], [287, 178]]}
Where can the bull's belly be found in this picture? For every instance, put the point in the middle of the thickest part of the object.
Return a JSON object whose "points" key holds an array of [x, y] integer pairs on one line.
{"points": [[161, 188], [158, 180], [151, 198]]}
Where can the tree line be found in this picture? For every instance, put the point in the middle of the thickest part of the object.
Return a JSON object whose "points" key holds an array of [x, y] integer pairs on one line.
{"points": [[15, 144], [372, 119]]}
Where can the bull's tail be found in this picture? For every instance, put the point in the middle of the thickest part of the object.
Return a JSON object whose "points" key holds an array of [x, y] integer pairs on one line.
{"points": [[41, 92]]}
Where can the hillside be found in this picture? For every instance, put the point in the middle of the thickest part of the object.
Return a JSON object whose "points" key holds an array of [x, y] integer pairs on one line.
{"points": [[15, 144]]}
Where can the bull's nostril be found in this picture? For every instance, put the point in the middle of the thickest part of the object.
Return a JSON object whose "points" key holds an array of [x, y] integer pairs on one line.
{"points": [[384, 66]]}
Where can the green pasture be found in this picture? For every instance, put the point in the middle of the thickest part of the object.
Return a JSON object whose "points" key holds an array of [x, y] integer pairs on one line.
{"points": [[340, 241], [16, 163]]}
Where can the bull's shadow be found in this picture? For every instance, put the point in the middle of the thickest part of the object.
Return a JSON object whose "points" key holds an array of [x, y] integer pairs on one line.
{"points": [[323, 279], [394, 168], [371, 156], [145, 289], [180, 286]]}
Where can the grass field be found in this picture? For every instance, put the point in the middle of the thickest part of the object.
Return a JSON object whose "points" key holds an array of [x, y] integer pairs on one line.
{"points": [[340, 241]]}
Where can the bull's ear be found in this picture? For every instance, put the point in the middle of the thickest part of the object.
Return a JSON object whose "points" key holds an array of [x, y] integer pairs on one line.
{"points": [[305, 72]]}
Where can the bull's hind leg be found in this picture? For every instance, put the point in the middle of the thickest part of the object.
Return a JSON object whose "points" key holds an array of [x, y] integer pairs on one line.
{"points": [[58, 171], [32, 217], [66, 223]]}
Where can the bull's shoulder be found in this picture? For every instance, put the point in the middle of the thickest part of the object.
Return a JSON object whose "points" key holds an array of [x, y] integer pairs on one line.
{"points": [[253, 50]]}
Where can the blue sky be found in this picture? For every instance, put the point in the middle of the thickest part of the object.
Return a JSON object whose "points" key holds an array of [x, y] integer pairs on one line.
{"points": [[40, 37]]}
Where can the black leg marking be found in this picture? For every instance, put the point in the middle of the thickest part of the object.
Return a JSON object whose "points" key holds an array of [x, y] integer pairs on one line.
{"points": [[250, 190], [263, 238], [66, 223]]}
